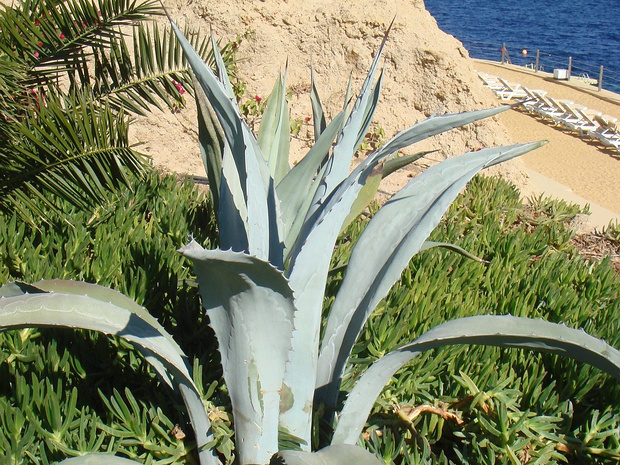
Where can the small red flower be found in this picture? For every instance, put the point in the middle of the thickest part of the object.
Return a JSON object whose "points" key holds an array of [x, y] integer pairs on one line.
{"points": [[258, 99], [61, 35], [307, 119], [40, 44], [179, 87]]}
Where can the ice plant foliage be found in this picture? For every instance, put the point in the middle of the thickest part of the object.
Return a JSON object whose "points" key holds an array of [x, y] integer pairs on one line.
{"points": [[264, 288]]}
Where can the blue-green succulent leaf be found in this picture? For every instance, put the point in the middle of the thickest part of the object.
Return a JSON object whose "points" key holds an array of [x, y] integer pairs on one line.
{"points": [[274, 131], [502, 331], [253, 174], [222, 72], [250, 307], [318, 116], [369, 112], [211, 140], [427, 245], [387, 244], [338, 454], [358, 121], [92, 307], [310, 255], [296, 187]]}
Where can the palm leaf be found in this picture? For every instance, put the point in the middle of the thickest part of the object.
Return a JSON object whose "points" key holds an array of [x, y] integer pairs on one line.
{"points": [[152, 72], [69, 148], [51, 37]]}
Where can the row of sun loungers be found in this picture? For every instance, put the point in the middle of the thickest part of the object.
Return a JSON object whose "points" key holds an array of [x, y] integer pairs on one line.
{"points": [[573, 117]]}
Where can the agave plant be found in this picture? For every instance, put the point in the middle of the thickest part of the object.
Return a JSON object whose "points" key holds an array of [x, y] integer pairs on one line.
{"points": [[263, 288]]}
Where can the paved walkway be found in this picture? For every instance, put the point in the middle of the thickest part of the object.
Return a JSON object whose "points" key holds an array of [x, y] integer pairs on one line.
{"points": [[569, 167]]}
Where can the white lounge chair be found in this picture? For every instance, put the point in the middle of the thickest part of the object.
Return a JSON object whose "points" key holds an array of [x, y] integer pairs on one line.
{"points": [[586, 123], [533, 100], [510, 91], [490, 81], [551, 108], [570, 115], [607, 132]]}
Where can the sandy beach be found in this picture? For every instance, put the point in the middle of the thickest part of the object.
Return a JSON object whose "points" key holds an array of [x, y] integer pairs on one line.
{"points": [[569, 167]]}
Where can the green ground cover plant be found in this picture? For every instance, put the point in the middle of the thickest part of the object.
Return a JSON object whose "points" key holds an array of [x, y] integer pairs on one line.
{"points": [[301, 372], [572, 411]]}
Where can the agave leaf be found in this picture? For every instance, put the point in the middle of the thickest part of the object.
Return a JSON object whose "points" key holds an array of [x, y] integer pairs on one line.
{"points": [[232, 215], [211, 139], [501, 331], [369, 111], [116, 317], [454, 248], [344, 195], [366, 194], [351, 186], [338, 454], [296, 185], [317, 107], [394, 164], [250, 307], [310, 259], [222, 72], [249, 162], [217, 95], [370, 189], [349, 139], [274, 131], [396, 233], [98, 459]]}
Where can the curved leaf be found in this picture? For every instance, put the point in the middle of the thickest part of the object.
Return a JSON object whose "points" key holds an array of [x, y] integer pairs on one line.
{"points": [[296, 187], [310, 255], [502, 331], [317, 107], [338, 454], [387, 244], [250, 307], [117, 317], [252, 171]]}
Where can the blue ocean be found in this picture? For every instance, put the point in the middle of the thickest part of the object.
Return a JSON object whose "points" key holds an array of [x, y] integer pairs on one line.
{"points": [[586, 30]]}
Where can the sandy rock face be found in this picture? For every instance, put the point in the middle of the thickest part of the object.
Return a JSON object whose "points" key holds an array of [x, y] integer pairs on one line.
{"points": [[426, 70]]}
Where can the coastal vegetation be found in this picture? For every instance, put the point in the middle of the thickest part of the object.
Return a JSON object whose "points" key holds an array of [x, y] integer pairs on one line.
{"points": [[69, 393]]}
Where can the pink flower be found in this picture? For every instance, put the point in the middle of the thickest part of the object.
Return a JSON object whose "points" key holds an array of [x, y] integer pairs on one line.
{"points": [[36, 54], [179, 87]]}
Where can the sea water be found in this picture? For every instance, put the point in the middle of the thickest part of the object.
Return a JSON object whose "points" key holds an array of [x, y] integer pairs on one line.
{"points": [[586, 30]]}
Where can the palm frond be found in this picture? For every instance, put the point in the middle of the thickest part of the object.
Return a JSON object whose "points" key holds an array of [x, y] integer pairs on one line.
{"points": [[51, 37], [149, 70], [68, 147]]}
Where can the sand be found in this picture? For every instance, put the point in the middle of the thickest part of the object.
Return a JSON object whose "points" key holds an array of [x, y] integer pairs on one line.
{"points": [[582, 169]]}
